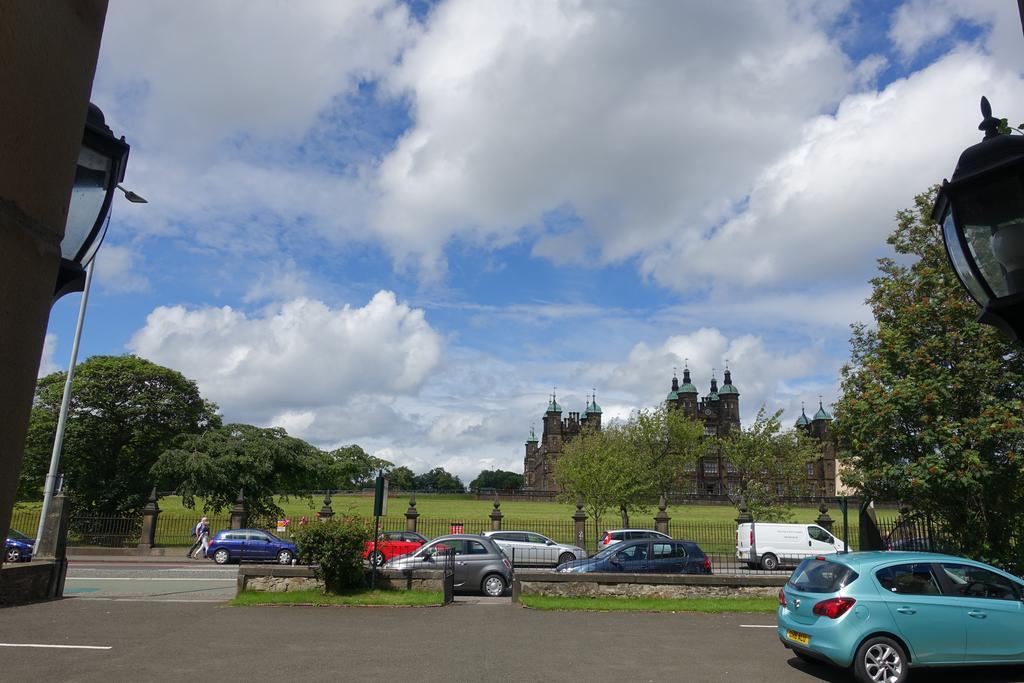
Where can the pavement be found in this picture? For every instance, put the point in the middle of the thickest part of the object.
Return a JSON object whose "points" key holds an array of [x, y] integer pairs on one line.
{"points": [[150, 581]]}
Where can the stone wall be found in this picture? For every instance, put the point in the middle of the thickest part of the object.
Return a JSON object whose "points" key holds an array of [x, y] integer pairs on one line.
{"points": [[31, 582], [644, 585], [281, 579]]}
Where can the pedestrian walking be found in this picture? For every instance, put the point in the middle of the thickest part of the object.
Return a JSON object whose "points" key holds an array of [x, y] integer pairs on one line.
{"points": [[201, 538]]}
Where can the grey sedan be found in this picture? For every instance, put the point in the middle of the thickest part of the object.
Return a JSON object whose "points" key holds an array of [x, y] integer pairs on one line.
{"points": [[479, 563], [527, 548]]}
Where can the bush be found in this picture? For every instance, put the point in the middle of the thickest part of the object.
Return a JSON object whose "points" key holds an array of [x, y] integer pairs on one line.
{"points": [[335, 549]]}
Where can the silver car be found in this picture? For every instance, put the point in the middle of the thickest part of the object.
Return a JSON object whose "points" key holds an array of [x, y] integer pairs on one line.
{"points": [[529, 548], [479, 563]]}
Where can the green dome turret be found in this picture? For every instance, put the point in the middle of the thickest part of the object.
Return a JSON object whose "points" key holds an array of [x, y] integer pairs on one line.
{"points": [[713, 396], [803, 420], [553, 406], [727, 386], [687, 387], [822, 414], [592, 407]]}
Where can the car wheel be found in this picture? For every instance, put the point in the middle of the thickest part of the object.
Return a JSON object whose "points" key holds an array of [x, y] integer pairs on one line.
{"points": [[769, 562], [284, 557], [13, 555], [881, 660], [378, 559], [221, 556], [493, 585], [566, 557]]}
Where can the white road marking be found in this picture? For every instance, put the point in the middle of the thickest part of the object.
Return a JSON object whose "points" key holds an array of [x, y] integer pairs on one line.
{"points": [[141, 578], [758, 626], [58, 647]]}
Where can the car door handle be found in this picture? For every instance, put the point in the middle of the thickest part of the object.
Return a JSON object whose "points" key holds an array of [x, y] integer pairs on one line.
{"points": [[460, 563], [976, 614], [906, 610]]}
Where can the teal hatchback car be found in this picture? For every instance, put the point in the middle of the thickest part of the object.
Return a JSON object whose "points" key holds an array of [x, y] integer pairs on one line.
{"points": [[882, 613]]}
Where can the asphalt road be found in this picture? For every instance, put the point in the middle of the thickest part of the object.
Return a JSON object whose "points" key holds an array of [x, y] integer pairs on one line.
{"points": [[188, 581], [464, 642]]}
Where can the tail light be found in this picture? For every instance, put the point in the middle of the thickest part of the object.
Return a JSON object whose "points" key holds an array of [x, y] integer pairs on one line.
{"points": [[782, 597], [607, 539], [833, 608], [751, 537], [707, 564]]}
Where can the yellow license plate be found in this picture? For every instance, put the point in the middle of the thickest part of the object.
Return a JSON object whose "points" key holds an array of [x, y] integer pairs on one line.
{"points": [[798, 637]]}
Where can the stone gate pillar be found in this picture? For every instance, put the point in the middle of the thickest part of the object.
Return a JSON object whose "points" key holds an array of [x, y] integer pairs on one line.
{"points": [[150, 513], [579, 519], [661, 519], [411, 514], [496, 515], [240, 513]]}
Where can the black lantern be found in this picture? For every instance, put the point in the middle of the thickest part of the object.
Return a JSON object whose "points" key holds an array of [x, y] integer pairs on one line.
{"points": [[981, 211], [100, 169]]}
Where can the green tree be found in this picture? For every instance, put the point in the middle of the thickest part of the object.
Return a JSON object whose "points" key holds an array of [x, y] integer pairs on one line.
{"points": [[502, 480], [438, 479], [347, 468], [214, 465], [124, 412], [665, 441], [932, 401], [401, 479], [598, 467], [769, 464]]}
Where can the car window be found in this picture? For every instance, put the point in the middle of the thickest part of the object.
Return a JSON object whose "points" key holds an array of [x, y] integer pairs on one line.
{"points": [[975, 582], [258, 536], [909, 579], [819, 534], [458, 544], [618, 536], [475, 548], [633, 553], [414, 538], [536, 538], [236, 536], [821, 576], [664, 551], [392, 536]]}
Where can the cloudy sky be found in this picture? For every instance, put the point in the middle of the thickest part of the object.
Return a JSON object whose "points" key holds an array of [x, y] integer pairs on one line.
{"points": [[400, 224]]}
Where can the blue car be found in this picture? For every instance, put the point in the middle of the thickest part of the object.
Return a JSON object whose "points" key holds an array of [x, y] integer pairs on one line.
{"points": [[882, 613], [649, 555], [250, 545], [17, 547]]}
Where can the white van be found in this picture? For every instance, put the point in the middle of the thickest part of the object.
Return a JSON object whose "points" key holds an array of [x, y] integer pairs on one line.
{"points": [[767, 545]]}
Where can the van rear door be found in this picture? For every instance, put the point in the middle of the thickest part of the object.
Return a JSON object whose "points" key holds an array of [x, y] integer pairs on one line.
{"points": [[819, 541]]}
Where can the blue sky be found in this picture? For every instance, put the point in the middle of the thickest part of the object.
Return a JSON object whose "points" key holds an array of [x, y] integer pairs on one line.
{"points": [[401, 224]]}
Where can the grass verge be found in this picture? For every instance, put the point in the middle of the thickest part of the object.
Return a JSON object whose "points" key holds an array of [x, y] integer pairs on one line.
{"points": [[316, 598], [706, 605]]}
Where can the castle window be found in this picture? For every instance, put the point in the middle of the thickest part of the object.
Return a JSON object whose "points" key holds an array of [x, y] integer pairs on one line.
{"points": [[810, 469], [730, 468], [710, 467], [709, 430], [690, 466]]}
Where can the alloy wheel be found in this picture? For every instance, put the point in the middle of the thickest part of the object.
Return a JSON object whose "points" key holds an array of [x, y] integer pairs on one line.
{"points": [[883, 664]]}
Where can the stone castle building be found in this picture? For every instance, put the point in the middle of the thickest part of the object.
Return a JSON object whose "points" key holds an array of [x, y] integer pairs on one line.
{"points": [[719, 410]]}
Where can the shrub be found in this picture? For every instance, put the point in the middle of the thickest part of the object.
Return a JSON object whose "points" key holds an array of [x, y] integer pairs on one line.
{"points": [[335, 549]]}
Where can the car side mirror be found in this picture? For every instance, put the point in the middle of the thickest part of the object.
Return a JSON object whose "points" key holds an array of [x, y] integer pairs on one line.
{"points": [[550, 543]]}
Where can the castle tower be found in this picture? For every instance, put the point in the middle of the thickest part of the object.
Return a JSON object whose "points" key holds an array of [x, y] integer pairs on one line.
{"points": [[593, 415], [530, 461], [553, 426], [687, 394], [730, 396]]}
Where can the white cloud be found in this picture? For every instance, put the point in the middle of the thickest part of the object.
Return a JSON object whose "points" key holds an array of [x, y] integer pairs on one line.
{"points": [[117, 269], [642, 121], [297, 356], [919, 23], [823, 211], [46, 363]]}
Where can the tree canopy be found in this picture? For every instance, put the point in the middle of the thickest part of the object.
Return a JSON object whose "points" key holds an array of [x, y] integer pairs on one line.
{"points": [[931, 411], [768, 464], [440, 480], [124, 412], [497, 479], [215, 464]]}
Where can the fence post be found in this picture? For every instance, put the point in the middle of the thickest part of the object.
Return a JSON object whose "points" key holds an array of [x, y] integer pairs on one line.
{"points": [[744, 516], [411, 514], [661, 518], [824, 520], [240, 513], [579, 519], [326, 512], [496, 515], [147, 539]]}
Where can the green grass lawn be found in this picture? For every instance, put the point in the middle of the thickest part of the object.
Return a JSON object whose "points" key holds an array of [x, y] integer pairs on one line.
{"points": [[706, 605], [354, 598]]}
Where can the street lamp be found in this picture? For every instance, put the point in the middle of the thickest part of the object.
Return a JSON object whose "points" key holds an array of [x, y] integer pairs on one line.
{"points": [[981, 211], [100, 169]]}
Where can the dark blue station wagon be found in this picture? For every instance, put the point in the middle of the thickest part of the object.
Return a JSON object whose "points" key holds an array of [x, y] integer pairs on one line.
{"points": [[250, 545], [660, 556]]}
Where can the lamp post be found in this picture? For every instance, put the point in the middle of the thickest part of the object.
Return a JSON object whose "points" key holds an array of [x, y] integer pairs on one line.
{"points": [[981, 211], [100, 170]]}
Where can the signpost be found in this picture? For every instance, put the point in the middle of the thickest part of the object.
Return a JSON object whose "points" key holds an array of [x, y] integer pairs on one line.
{"points": [[380, 509]]}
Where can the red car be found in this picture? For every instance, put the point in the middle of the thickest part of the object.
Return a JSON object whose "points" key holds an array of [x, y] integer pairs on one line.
{"points": [[392, 544]]}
